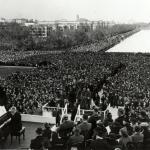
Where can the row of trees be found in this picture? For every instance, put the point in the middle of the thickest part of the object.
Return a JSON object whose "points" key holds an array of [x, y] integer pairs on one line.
{"points": [[16, 37]]}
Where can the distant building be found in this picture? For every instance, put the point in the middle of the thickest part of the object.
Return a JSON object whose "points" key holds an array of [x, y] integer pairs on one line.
{"points": [[20, 21], [2, 20], [43, 28]]}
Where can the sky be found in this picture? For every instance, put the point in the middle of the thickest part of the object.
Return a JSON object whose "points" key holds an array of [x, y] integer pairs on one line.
{"points": [[108, 10]]}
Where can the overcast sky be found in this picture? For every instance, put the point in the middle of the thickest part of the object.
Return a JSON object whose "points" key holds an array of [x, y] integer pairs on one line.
{"points": [[117, 10]]}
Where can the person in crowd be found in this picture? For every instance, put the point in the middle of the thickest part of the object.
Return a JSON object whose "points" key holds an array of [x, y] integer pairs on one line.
{"points": [[15, 123], [146, 133], [112, 140], [47, 131], [58, 115], [85, 98], [96, 98], [128, 127], [75, 138], [133, 122], [65, 128], [121, 117], [137, 136], [99, 142], [47, 135], [101, 126], [143, 117], [93, 119], [38, 142], [115, 128], [74, 111], [85, 127], [124, 139], [72, 96], [108, 120]]}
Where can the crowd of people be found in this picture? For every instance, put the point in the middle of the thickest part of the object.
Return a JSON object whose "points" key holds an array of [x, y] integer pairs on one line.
{"points": [[118, 79], [129, 131], [78, 78], [11, 57]]}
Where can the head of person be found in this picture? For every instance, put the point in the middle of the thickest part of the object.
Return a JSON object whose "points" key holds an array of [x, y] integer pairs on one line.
{"points": [[85, 117], [120, 112], [95, 111], [13, 110], [98, 132], [65, 118], [88, 89], [133, 121], [47, 125], [100, 124], [39, 131], [143, 114], [76, 131], [109, 116], [144, 126], [123, 132], [137, 129]]}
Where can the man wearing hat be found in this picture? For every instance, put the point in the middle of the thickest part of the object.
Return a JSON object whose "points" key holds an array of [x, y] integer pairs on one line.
{"points": [[99, 142], [38, 142], [47, 131]]}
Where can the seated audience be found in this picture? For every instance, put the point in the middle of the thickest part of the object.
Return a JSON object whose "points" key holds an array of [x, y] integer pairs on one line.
{"points": [[85, 127], [66, 127], [99, 142], [37, 143], [124, 139], [108, 120], [76, 137], [15, 123], [137, 136]]}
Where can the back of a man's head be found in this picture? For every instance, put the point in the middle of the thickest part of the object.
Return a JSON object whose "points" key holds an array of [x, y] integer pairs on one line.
{"points": [[85, 117], [120, 112], [65, 118], [76, 131], [99, 131], [137, 128]]}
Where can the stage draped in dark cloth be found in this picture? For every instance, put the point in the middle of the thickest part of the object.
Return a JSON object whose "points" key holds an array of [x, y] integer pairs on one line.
{"points": [[3, 97]]}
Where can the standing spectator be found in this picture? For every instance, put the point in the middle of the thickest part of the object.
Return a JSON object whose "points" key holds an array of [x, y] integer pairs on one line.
{"points": [[85, 98], [93, 120], [108, 120], [121, 117], [74, 111], [47, 134]]}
